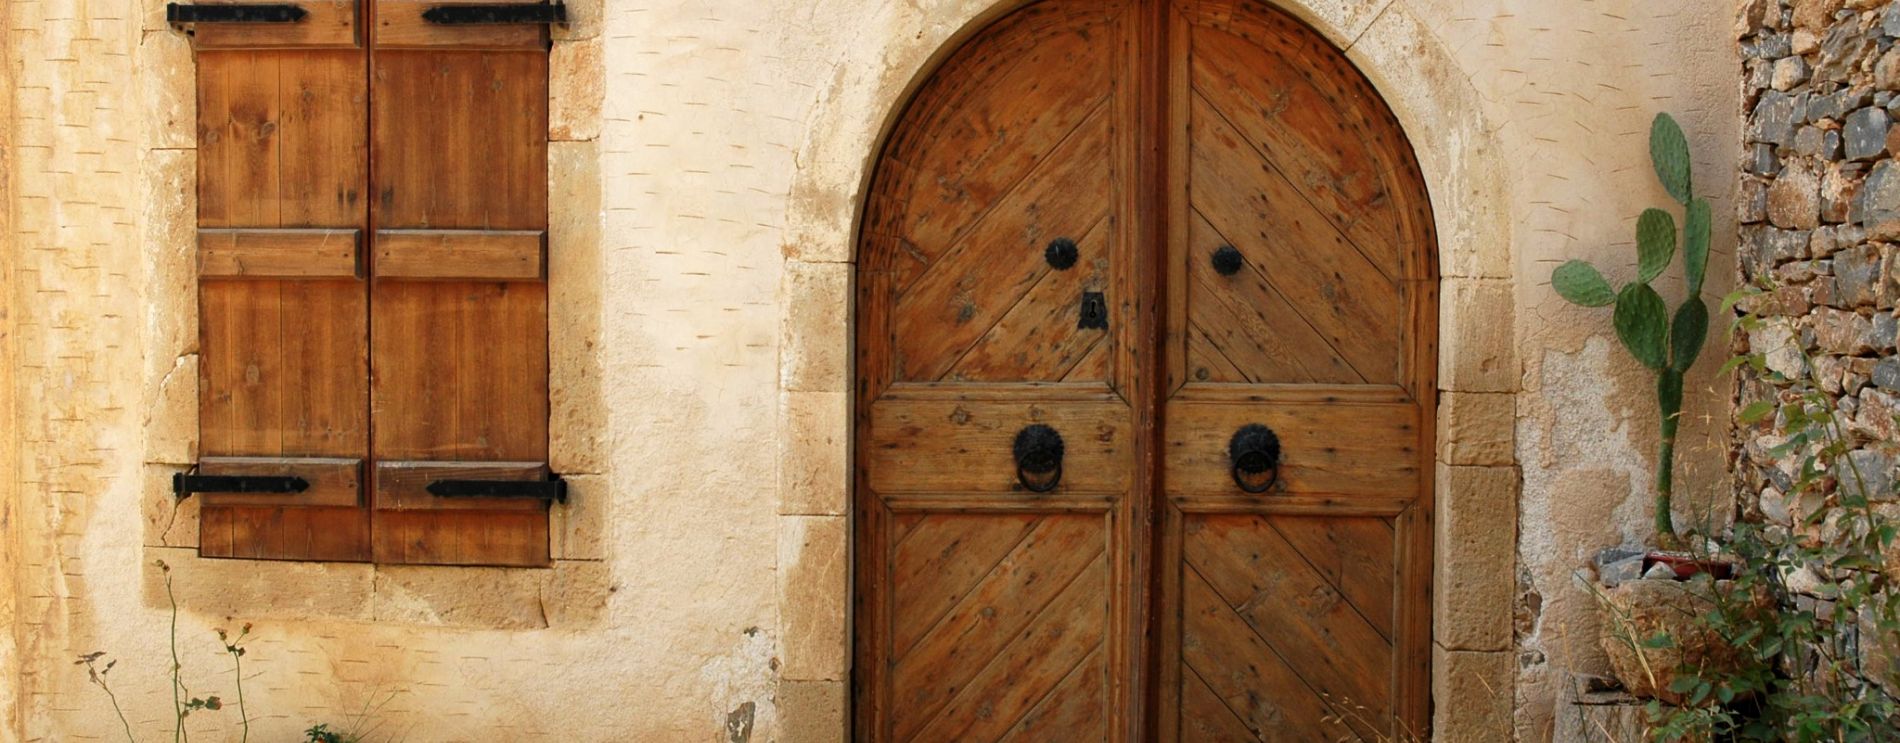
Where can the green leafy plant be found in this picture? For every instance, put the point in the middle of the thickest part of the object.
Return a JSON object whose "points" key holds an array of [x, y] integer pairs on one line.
{"points": [[1820, 661], [1667, 345]]}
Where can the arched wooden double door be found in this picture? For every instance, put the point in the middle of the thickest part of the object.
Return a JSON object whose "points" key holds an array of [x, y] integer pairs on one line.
{"points": [[1166, 234]]}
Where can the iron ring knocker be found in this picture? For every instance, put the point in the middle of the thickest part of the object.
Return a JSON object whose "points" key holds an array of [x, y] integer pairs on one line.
{"points": [[1038, 451], [1253, 452]]}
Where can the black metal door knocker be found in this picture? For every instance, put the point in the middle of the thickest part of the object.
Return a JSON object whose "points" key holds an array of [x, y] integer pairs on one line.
{"points": [[1038, 452], [1253, 455]]}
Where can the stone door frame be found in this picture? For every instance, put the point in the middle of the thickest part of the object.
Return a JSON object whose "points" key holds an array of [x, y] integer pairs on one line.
{"points": [[1474, 579]]}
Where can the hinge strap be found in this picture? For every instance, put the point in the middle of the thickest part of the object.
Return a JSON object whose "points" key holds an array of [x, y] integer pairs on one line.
{"points": [[458, 15], [186, 483], [184, 13]]}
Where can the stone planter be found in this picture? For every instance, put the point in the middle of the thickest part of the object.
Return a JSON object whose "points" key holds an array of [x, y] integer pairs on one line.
{"points": [[1635, 611]]}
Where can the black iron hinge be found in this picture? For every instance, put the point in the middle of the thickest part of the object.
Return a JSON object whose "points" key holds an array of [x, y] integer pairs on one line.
{"points": [[186, 483], [186, 13], [456, 15], [552, 489]]}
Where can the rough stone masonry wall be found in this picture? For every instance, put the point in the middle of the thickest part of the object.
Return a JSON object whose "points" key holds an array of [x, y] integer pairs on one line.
{"points": [[1820, 209]]}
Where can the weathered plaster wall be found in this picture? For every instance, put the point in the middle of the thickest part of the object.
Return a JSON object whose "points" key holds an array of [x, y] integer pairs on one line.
{"points": [[708, 159]]}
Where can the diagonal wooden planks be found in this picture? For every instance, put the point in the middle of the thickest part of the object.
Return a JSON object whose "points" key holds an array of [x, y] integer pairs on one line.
{"points": [[1294, 609], [1039, 339], [983, 122], [1247, 329], [946, 664], [1060, 637], [1330, 285], [962, 295], [942, 560]]}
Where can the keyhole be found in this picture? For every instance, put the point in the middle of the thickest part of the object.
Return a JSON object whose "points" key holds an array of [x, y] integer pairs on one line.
{"points": [[1094, 311]]}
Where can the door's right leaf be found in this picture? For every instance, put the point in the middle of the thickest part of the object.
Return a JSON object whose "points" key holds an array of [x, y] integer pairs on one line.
{"points": [[1655, 244], [1582, 284], [1642, 324]]}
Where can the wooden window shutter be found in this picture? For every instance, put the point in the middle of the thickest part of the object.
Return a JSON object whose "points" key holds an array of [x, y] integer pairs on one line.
{"points": [[458, 286], [283, 301]]}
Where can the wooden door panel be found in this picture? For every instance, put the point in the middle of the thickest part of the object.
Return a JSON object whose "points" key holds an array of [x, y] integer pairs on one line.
{"points": [[987, 611], [991, 272], [984, 121], [964, 445], [1348, 448], [1012, 636], [1239, 571], [1316, 118], [1326, 285]]}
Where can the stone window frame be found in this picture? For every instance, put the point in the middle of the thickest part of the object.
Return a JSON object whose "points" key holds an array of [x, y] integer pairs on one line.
{"points": [[1478, 480], [570, 592]]}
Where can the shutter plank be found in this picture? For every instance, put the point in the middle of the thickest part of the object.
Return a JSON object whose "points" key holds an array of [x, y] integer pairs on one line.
{"points": [[501, 255]]}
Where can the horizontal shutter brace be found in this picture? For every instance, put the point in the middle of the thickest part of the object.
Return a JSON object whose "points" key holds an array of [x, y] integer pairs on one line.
{"points": [[188, 13]]}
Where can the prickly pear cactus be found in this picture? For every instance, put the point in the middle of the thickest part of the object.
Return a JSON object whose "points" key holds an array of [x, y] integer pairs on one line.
{"points": [[1668, 344]]}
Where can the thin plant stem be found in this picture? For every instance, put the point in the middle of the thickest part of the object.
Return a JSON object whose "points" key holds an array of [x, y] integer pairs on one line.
{"points": [[123, 723], [178, 682]]}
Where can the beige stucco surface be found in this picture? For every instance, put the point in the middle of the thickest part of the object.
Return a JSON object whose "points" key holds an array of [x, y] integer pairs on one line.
{"points": [[708, 159]]}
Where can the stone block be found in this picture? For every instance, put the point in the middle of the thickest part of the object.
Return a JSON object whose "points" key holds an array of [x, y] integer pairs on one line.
{"points": [[1887, 373], [579, 527], [1843, 48], [1772, 121], [1477, 348], [575, 85], [811, 712], [1473, 694], [1751, 207], [1842, 332], [1878, 207], [1839, 186], [813, 575], [1788, 72], [1474, 586], [1814, 14], [1857, 275], [1794, 199], [168, 91], [260, 589], [815, 333], [814, 475], [1477, 428], [577, 420], [569, 594], [1865, 136]]}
